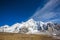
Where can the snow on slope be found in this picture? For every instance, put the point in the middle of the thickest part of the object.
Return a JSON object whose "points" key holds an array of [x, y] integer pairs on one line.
{"points": [[15, 28], [30, 26]]}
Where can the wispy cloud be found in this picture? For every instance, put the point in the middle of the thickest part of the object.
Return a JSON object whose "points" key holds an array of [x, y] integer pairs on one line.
{"points": [[47, 11], [48, 15], [55, 20]]}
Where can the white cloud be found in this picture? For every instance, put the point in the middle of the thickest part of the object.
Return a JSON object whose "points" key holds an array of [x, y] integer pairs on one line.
{"points": [[46, 11], [48, 15], [55, 20]]}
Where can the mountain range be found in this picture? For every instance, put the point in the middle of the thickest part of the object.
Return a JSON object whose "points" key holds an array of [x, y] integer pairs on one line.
{"points": [[32, 27]]}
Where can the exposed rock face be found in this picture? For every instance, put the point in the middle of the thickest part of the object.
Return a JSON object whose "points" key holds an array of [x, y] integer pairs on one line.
{"points": [[23, 30], [32, 26]]}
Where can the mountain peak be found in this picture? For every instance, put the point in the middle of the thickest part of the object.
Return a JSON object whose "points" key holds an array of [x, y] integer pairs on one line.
{"points": [[30, 26]]}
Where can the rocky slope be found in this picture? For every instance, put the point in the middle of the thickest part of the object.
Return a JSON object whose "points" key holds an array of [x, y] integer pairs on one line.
{"points": [[33, 27]]}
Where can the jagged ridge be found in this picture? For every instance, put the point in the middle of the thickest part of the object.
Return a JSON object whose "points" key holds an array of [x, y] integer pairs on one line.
{"points": [[33, 27]]}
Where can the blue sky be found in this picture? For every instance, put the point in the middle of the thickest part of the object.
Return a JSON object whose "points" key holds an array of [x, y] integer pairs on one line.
{"points": [[12, 11], [49, 12]]}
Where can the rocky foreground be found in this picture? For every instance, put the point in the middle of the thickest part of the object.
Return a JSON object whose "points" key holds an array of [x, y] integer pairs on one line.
{"points": [[18, 36]]}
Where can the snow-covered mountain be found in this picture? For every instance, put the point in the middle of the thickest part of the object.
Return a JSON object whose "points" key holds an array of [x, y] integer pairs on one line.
{"points": [[31, 26]]}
